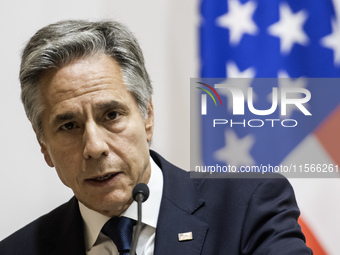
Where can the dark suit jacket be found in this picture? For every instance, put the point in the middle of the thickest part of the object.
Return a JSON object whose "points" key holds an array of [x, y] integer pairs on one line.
{"points": [[225, 216]]}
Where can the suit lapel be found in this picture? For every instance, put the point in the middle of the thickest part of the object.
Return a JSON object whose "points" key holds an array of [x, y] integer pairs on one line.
{"points": [[66, 231], [177, 213]]}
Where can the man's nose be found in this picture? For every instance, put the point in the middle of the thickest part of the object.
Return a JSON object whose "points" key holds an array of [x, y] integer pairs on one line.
{"points": [[95, 144]]}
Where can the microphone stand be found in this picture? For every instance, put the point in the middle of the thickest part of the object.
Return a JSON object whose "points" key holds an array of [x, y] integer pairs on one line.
{"points": [[140, 194], [139, 198]]}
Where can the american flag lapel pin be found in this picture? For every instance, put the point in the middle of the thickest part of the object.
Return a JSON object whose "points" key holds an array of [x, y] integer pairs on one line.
{"points": [[187, 236]]}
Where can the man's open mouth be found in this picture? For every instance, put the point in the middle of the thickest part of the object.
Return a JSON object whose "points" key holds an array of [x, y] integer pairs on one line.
{"points": [[103, 179]]}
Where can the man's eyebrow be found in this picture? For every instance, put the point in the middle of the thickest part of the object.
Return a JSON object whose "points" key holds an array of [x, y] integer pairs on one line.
{"points": [[111, 105], [60, 118], [63, 117]]}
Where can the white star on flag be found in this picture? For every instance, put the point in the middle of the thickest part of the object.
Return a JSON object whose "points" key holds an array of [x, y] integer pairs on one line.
{"points": [[237, 150], [289, 28], [332, 41], [238, 20], [234, 72]]}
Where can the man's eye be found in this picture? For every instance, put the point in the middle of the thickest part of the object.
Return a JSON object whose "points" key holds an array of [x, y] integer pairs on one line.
{"points": [[68, 126], [112, 115]]}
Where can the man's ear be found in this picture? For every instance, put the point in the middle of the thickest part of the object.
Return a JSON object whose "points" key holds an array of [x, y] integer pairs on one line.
{"points": [[149, 122], [44, 151]]}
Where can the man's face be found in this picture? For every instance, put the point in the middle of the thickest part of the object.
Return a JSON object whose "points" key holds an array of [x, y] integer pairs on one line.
{"points": [[94, 134]]}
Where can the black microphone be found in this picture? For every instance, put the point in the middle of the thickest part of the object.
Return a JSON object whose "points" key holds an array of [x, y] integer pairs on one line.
{"points": [[140, 194]]}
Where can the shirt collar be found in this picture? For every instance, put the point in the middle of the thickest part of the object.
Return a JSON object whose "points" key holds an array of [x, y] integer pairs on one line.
{"points": [[95, 221]]}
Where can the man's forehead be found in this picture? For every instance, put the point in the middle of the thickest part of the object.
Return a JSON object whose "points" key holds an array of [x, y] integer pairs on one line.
{"points": [[83, 77]]}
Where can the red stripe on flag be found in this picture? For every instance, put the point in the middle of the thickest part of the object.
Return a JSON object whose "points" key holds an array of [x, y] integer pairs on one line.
{"points": [[311, 240], [328, 134]]}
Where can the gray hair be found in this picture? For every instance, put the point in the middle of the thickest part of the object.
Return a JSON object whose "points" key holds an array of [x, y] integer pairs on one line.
{"points": [[56, 45]]}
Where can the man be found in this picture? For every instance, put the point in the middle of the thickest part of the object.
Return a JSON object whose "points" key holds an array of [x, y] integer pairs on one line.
{"points": [[88, 96]]}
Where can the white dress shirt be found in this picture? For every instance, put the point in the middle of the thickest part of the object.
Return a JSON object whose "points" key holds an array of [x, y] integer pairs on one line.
{"points": [[97, 243]]}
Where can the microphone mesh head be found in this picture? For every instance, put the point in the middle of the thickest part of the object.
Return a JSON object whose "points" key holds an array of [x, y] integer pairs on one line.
{"points": [[141, 188]]}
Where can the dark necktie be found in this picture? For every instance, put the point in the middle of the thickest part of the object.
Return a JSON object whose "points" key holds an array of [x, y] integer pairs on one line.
{"points": [[119, 229]]}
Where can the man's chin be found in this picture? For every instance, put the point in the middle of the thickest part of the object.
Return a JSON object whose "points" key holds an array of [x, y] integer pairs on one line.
{"points": [[109, 207]]}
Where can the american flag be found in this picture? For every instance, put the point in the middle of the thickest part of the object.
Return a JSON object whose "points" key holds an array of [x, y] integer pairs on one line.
{"points": [[292, 40]]}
